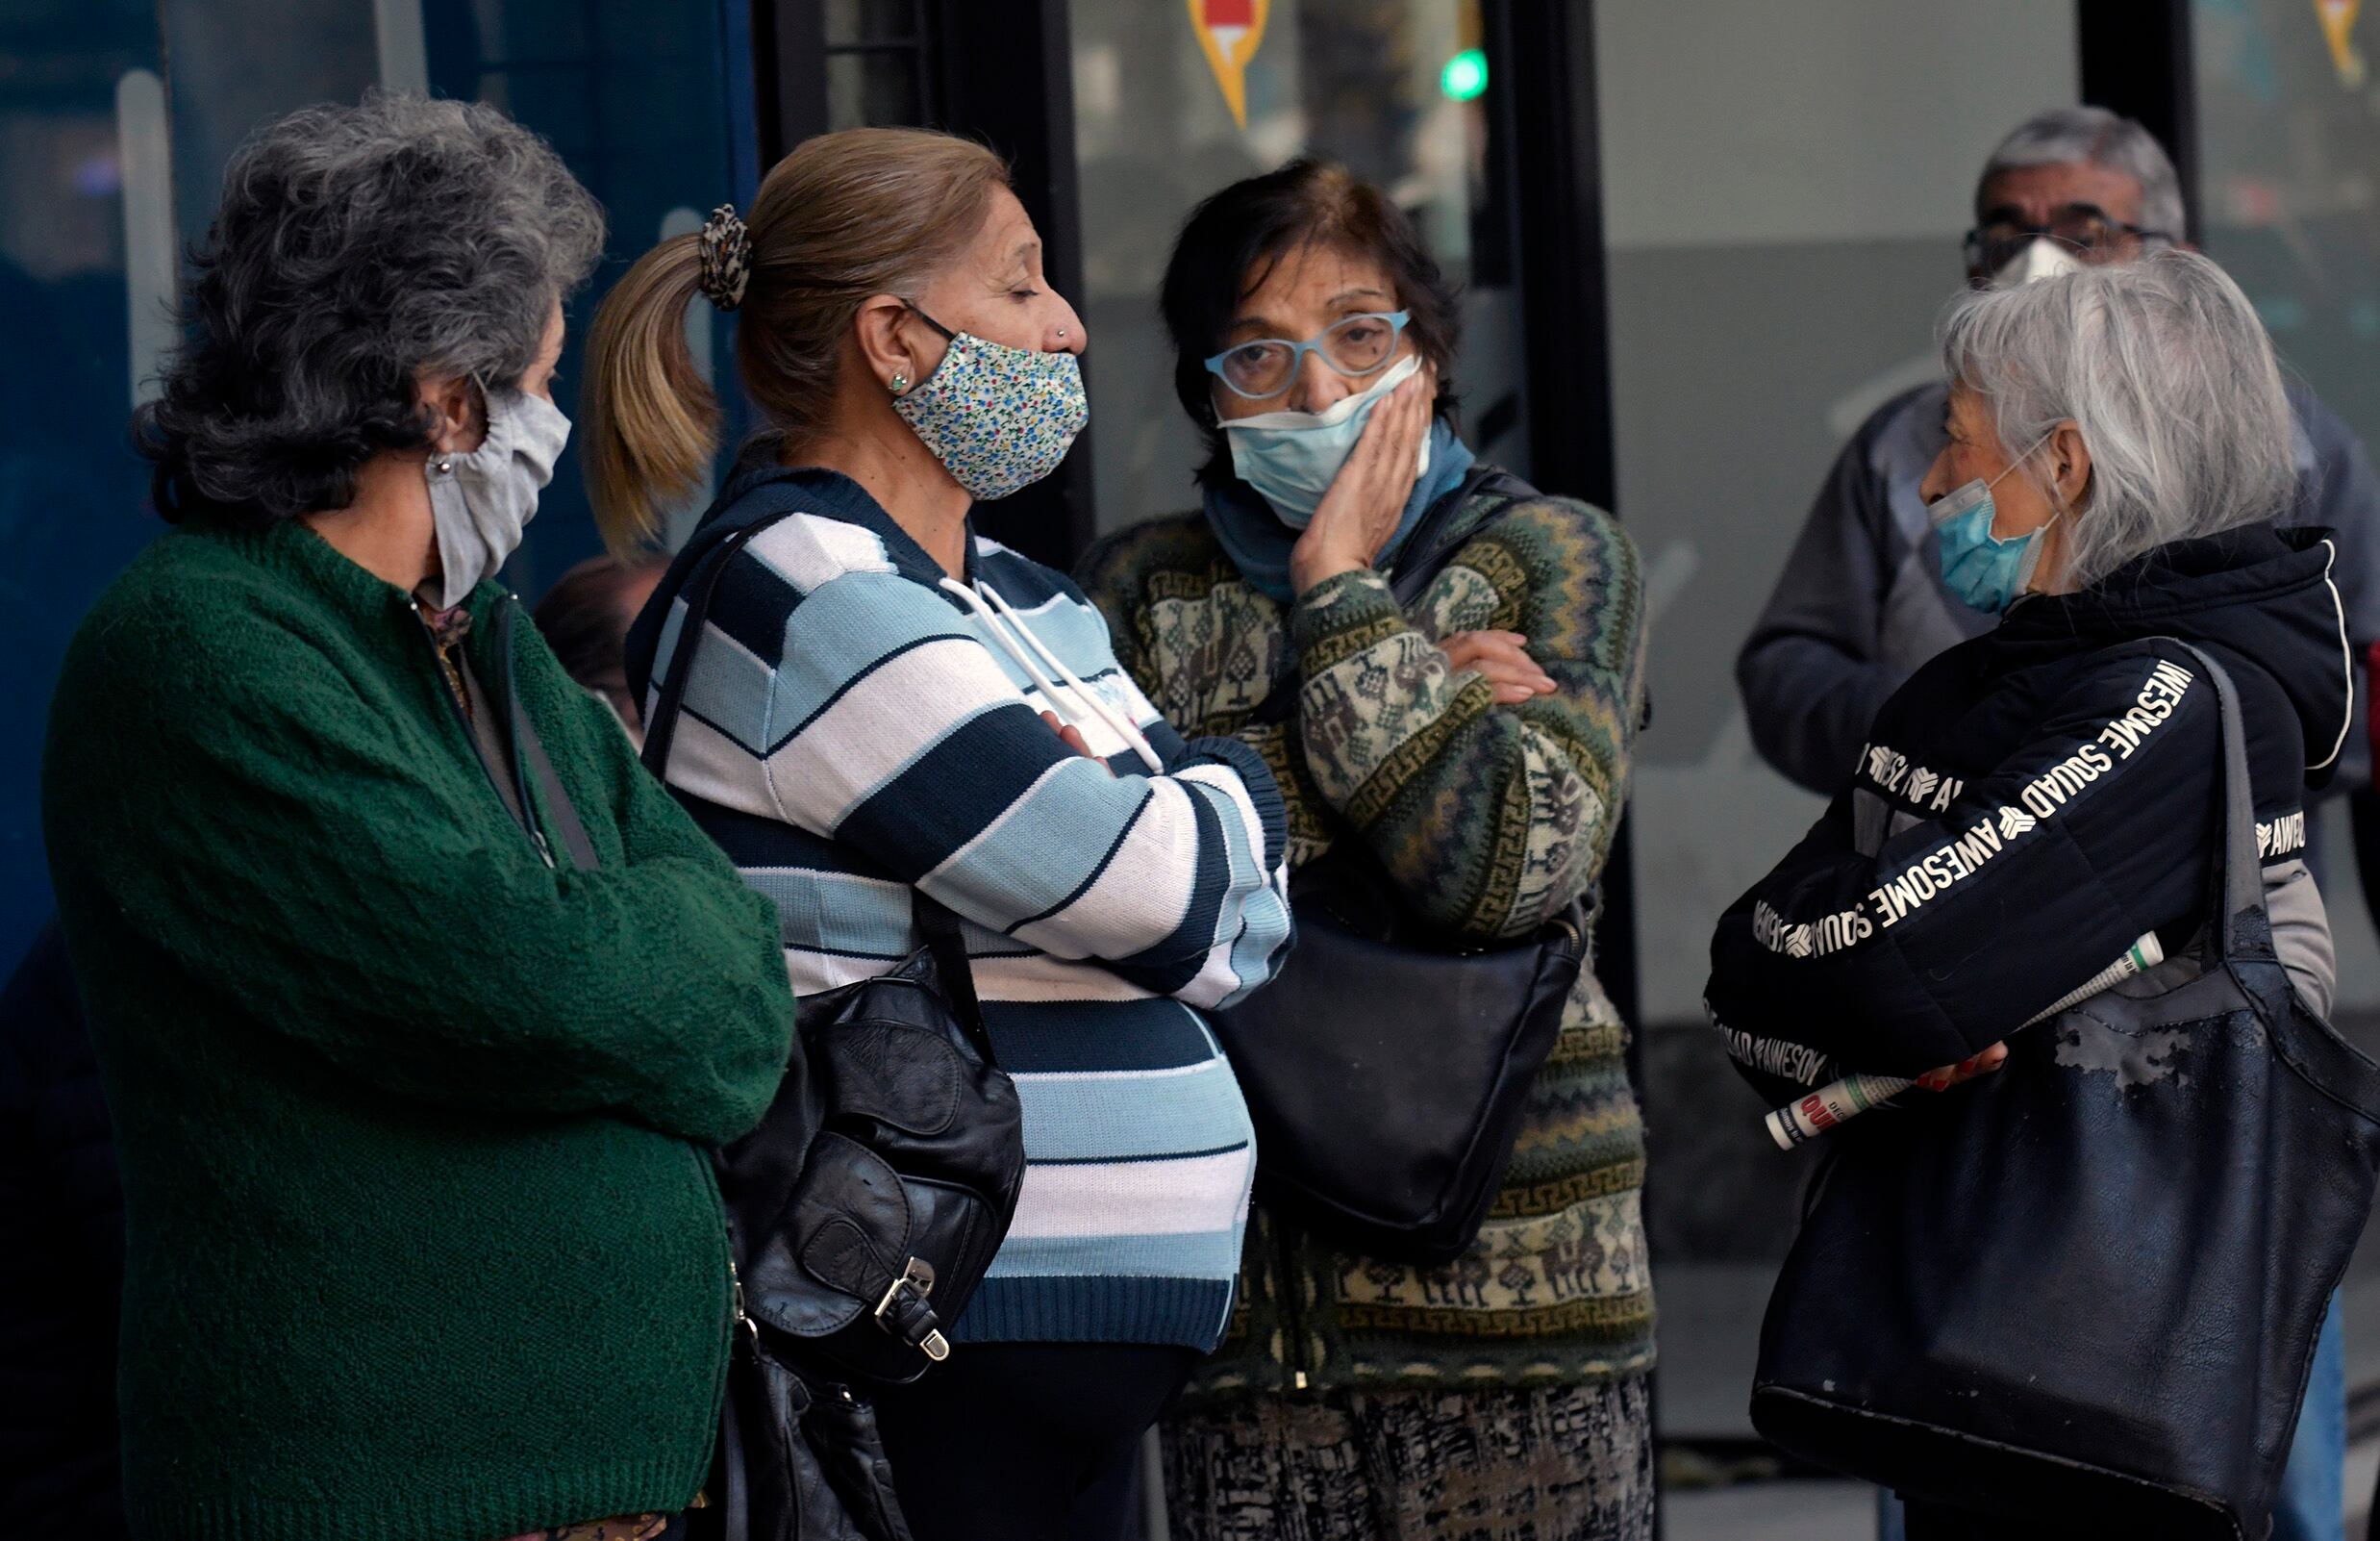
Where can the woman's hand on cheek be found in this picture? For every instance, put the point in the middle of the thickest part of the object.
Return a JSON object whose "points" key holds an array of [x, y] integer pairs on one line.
{"points": [[1367, 496]]}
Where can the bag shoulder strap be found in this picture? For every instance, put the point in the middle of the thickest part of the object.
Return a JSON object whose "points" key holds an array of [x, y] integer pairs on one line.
{"points": [[514, 755], [661, 728], [575, 842], [935, 920], [938, 925], [1431, 553], [2237, 887], [526, 752], [1428, 551]]}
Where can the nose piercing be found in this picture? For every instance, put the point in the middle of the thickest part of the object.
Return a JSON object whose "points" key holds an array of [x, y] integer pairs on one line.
{"points": [[1062, 334]]}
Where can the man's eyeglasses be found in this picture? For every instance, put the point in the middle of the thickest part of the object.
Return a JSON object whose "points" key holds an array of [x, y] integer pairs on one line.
{"points": [[1357, 346], [2082, 228]]}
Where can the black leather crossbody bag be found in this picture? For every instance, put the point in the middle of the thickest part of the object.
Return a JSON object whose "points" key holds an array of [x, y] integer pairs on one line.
{"points": [[862, 1212], [1385, 1073]]}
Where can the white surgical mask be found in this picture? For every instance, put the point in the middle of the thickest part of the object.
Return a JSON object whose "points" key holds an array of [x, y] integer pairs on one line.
{"points": [[1292, 456], [2041, 258], [481, 502]]}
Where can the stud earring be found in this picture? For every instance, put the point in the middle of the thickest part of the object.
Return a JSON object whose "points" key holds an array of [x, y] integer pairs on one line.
{"points": [[900, 383]]}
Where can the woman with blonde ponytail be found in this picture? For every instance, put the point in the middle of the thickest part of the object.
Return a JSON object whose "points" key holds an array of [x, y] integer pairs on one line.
{"points": [[652, 423], [880, 700]]}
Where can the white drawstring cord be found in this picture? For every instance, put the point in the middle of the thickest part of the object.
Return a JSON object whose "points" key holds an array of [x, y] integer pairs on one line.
{"points": [[987, 602], [1007, 644], [1125, 728]]}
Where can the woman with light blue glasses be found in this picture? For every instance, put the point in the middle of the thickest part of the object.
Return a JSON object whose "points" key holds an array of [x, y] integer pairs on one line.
{"points": [[1473, 741]]}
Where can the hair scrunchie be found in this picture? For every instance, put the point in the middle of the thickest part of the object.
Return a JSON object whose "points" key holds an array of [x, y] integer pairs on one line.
{"points": [[726, 257]]}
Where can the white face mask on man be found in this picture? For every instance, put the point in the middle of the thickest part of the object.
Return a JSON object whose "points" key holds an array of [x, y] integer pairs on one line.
{"points": [[2041, 258], [481, 502]]}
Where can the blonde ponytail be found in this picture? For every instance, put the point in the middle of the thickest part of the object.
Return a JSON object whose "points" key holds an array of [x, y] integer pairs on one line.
{"points": [[652, 423], [846, 215]]}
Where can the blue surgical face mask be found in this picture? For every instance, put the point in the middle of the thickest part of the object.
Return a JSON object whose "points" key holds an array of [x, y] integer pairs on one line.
{"points": [[1978, 567], [1291, 457]]}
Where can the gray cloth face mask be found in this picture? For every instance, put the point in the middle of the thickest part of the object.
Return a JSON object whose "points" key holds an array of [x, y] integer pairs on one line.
{"points": [[481, 502]]}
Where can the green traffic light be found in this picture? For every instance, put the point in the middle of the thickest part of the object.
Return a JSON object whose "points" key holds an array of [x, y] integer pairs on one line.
{"points": [[1464, 78]]}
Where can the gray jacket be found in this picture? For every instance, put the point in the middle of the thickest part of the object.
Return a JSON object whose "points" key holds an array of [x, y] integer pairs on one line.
{"points": [[1860, 603]]}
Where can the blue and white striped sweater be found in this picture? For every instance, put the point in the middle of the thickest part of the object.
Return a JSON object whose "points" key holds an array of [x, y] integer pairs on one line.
{"points": [[850, 730]]}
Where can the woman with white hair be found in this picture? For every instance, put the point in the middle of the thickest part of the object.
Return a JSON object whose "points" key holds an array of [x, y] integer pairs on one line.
{"points": [[2118, 445]]}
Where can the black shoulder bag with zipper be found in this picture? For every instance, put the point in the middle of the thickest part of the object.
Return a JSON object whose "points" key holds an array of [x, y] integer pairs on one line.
{"points": [[864, 1210], [1385, 1072], [2084, 1289]]}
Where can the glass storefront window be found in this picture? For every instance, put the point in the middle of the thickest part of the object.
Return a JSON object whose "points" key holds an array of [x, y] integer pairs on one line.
{"points": [[116, 121], [2288, 202], [2289, 187], [1782, 210], [87, 249], [1362, 81], [1786, 188], [880, 62]]}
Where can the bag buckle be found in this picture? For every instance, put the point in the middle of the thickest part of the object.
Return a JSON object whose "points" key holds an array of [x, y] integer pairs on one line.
{"points": [[903, 1310]]}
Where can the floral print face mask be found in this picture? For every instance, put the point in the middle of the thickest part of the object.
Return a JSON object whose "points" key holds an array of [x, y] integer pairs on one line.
{"points": [[997, 417]]}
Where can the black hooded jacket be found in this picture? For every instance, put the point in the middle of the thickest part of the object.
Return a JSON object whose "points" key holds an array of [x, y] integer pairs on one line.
{"points": [[2034, 800]]}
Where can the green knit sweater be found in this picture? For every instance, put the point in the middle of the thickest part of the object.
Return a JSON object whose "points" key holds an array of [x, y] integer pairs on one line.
{"points": [[1490, 819], [423, 1242]]}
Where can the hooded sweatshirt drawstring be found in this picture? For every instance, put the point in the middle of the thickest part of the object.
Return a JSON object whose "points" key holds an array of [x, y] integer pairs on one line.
{"points": [[987, 602]]}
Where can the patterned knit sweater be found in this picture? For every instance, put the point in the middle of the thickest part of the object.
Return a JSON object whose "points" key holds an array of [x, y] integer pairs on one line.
{"points": [[1490, 819], [851, 727]]}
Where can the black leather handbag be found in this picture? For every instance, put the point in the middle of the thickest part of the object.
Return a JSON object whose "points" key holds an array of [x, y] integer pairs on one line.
{"points": [[1385, 1073], [875, 1193], [862, 1212], [2086, 1289]]}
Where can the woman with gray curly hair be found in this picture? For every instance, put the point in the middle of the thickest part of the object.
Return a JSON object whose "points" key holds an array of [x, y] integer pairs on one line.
{"points": [[417, 999], [2035, 802]]}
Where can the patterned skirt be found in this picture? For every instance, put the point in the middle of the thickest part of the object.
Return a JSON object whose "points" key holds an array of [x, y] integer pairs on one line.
{"points": [[1550, 1463]]}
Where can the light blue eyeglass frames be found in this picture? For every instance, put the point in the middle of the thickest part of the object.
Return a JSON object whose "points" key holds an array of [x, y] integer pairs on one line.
{"points": [[1354, 347]]}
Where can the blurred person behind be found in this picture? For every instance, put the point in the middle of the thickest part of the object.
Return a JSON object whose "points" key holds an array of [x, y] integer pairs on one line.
{"points": [[2130, 435], [872, 714], [584, 617], [1476, 742], [1862, 604], [416, 998]]}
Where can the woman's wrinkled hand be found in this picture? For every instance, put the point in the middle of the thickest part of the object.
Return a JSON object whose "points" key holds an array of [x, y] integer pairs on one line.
{"points": [[1966, 1069], [1367, 497], [1502, 659]]}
